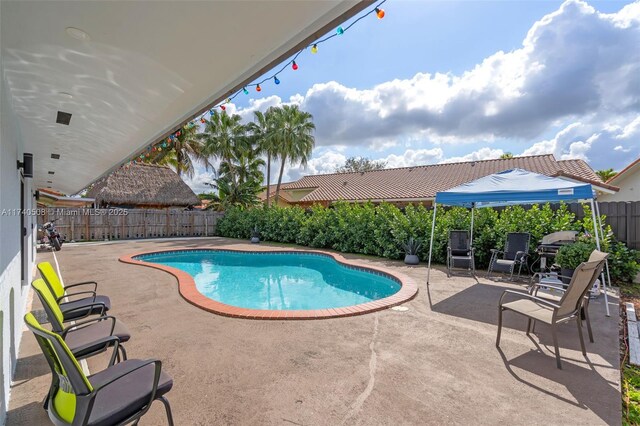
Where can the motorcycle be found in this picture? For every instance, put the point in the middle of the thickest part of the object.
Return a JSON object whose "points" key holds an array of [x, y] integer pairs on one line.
{"points": [[52, 235]]}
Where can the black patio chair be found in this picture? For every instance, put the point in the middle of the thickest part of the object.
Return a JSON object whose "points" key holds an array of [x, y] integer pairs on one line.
{"points": [[515, 253], [119, 395], [460, 252]]}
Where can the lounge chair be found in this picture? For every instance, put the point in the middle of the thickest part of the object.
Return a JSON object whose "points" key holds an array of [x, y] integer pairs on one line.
{"points": [[559, 290], [86, 338], [77, 308], [553, 313], [459, 250], [515, 253], [120, 394]]}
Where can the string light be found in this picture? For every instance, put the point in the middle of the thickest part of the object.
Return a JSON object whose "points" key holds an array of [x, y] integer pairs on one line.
{"points": [[379, 12]]}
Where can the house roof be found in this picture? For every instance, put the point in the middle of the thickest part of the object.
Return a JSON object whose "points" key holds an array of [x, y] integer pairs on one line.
{"points": [[624, 172], [143, 184], [422, 182], [272, 193]]}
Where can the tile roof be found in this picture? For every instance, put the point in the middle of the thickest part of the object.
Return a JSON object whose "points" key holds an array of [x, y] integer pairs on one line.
{"points": [[624, 171], [422, 182]]}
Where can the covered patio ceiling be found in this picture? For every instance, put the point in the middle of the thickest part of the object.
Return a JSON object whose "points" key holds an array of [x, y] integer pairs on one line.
{"points": [[137, 70]]}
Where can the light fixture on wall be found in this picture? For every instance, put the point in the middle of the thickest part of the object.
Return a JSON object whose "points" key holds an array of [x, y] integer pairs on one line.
{"points": [[26, 165]]}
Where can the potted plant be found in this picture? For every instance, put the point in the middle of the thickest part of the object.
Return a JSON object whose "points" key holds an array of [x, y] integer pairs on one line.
{"points": [[411, 248], [255, 235], [570, 256]]}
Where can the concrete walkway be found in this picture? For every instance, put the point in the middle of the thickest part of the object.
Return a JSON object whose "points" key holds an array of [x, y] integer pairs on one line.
{"points": [[433, 364]]}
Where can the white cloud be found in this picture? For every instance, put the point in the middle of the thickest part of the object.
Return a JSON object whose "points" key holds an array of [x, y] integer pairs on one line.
{"points": [[413, 157], [481, 154], [200, 180]]}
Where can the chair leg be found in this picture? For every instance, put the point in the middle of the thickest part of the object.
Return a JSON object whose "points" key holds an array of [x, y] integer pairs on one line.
{"points": [[448, 266], [529, 326], [500, 309], [167, 408], [585, 309], [579, 322], [554, 334]]}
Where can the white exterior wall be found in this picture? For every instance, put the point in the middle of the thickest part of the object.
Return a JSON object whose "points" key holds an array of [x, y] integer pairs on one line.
{"points": [[629, 185], [13, 290]]}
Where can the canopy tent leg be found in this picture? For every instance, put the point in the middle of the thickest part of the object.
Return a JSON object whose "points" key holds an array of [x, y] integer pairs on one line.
{"points": [[473, 205], [595, 230], [472, 265], [433, 229], [606, 262]]}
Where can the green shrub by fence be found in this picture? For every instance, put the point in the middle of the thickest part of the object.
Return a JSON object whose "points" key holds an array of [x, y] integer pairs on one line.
{"points": [[381, 229]]}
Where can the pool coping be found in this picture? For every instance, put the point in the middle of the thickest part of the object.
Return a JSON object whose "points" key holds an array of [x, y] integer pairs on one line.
{"points": [[189, 292]]}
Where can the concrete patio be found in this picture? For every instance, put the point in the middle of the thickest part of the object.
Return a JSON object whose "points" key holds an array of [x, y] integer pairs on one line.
{"points": [[435, 363]]}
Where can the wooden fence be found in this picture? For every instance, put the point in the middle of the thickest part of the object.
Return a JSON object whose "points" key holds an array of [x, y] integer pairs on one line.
{"points": [[78, 224]]}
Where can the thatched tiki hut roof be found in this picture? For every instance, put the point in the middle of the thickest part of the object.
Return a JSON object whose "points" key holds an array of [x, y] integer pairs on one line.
{"points": [[143, 185]]}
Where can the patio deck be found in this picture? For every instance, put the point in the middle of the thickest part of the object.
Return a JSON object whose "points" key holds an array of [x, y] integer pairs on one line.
{"points": [[435, 363]]}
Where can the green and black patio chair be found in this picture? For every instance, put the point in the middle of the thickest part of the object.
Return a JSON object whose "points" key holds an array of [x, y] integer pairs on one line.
{"points": [[89, 302], [86, 338], [121, 394]]}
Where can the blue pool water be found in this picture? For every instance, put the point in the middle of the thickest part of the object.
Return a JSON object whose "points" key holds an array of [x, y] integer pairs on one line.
{"points": [[279, 281]]}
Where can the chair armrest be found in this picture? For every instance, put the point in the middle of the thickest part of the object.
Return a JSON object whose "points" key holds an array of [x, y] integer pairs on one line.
{"points": [[105, 342], [86, 323], [496, 251], [76, 294], [89, 309], [521, 255], [156, 379], [95, 285], [527, 296]]}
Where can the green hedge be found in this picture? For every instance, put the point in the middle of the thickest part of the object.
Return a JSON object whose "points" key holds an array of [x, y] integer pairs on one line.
{"points": [[380, 229]]}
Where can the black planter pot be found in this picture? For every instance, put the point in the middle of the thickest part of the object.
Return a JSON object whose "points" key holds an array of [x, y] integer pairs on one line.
{"points": [[411, 259], [566, 275]]}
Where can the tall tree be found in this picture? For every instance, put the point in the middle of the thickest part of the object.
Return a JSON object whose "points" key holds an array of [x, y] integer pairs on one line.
{"points": [[293, 138], [223, 134], [607, 174], [241, 178], [506, 155], [186, 149], [262, 130], [361, 164]]}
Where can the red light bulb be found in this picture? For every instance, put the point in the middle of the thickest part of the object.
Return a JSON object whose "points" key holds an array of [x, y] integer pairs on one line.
{"points": [[258, 88], [379, 13], [294, 66]]}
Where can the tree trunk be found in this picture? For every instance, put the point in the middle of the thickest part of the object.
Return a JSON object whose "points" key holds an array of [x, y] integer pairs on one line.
{"points": [[284, 160], [268, 177]]}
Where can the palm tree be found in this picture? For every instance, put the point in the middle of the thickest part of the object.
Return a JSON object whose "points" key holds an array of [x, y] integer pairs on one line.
{"points": [[181, 156], [262, 130], [293, 137], [241, 179], [605, 175], [223, 134], [506, 155]]}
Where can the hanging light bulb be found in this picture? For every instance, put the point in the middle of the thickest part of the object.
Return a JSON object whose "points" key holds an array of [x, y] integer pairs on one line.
{"points": [[178, 133], [314, 48], [294, 66], [228, 100], [222, 107], [379, 12], [275, 80], [202, 120], [339, 31], [244, 89], [258, 88], [159, 148]]}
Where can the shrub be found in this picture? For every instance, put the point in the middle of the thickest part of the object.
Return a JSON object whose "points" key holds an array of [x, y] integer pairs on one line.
{"points": [[381, 230], [572, 255]]}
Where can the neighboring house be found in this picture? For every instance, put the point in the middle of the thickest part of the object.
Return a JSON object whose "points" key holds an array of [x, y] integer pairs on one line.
{"points": [[628, 180], [419, 184], [50, 198], [143, 186]]}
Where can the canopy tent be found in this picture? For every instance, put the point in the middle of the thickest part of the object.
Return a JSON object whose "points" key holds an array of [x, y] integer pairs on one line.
{"points": [[512, 187]]}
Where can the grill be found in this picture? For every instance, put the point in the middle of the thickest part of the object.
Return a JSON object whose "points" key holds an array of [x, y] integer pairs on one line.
{"points": [[551, 243]]}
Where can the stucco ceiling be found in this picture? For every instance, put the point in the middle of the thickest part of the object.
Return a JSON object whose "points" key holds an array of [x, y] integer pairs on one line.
{"points": [[148, 66]]}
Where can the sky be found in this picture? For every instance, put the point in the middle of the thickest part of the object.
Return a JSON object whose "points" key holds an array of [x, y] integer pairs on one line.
{"points": [[445, 81]]}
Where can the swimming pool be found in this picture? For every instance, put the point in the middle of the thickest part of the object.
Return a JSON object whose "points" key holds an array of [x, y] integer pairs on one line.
{"points": [[272, 284]]}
